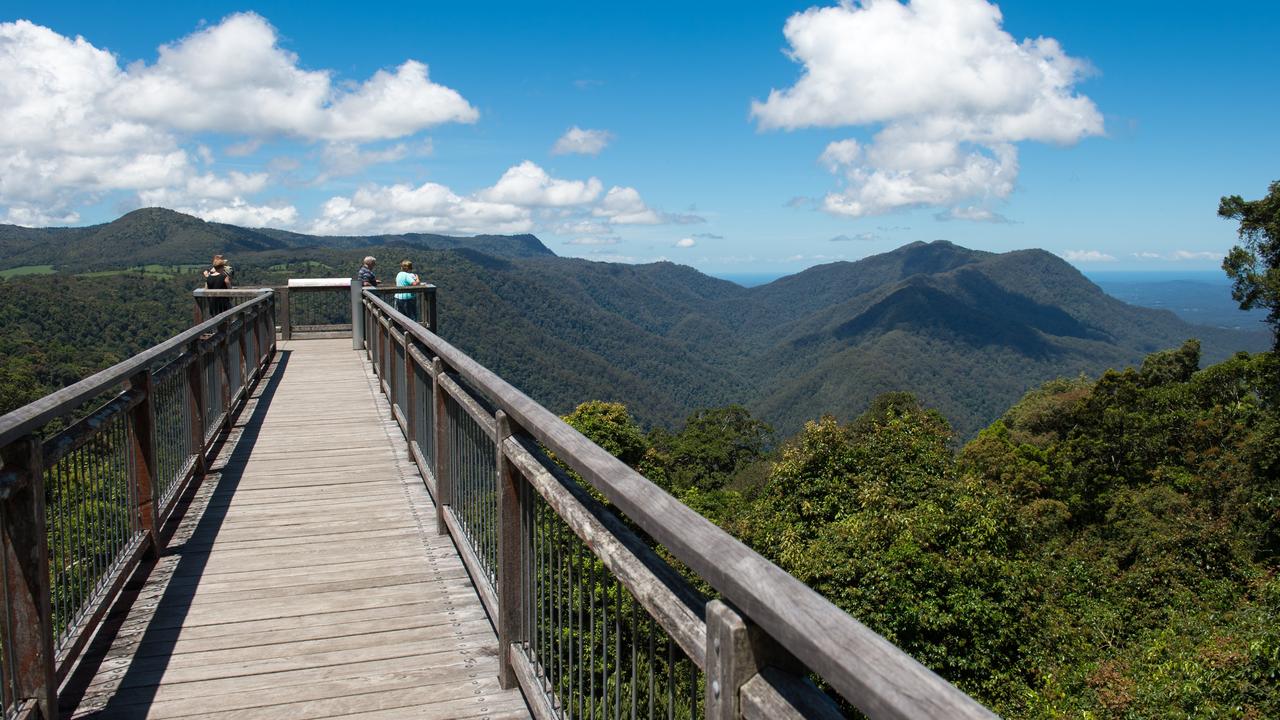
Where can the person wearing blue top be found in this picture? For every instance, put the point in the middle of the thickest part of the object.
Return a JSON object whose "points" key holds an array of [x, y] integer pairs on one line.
{"points": [[406, 303]]}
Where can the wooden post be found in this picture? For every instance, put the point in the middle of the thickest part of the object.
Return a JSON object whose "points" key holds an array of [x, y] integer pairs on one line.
{"points": [[286, 326], [432, 322], [736, 651], [29, 659], [444, 489], [246, 368], [224, 354], [195, 400], [199, 311], [410, 394], [146, 488], [511, 556], [271, 319], [357, 316]]}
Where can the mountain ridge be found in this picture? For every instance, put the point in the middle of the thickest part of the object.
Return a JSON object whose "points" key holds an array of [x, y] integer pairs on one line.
{"points": [[968, 331]]}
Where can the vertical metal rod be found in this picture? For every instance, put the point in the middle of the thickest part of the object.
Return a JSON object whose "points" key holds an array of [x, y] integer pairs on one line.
{"points": [[591, 660], [650, 698], [671, 677], [634, 659]]}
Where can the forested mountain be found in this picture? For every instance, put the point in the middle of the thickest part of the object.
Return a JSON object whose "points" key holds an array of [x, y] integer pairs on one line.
{"points": [[966, 331], [157, 235]]}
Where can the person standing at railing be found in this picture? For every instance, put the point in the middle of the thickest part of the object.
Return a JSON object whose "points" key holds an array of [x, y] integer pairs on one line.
{"points": [[407, 303], [366, 276], [218, 277]]}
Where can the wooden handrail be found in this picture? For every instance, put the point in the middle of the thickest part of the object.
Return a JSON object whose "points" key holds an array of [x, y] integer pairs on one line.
{"points": [[29, 417], [38, 656], [867, 670]]}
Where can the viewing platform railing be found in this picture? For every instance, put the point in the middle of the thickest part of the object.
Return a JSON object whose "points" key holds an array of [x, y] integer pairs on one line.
{"points": [[315, 308], [90, 476], [592, 621]]}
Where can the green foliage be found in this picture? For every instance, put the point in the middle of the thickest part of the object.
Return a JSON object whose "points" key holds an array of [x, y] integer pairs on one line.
{"points": [[609, 425], [713, 447], [1254, 266]]}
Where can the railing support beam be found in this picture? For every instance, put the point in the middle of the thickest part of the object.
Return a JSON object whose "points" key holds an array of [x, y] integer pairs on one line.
{"points": [[511, 556], [28, 617], [736, 652], [145, 489], [195, 400], [286, 326], [357, 316], [444, 488]]}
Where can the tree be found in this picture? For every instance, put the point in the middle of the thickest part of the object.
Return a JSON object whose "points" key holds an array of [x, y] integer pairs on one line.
{"points": [[609, 425], [715, 445], [1254, 267]]}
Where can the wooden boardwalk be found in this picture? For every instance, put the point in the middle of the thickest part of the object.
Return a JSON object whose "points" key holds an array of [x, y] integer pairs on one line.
{"points": [[307, 579]]}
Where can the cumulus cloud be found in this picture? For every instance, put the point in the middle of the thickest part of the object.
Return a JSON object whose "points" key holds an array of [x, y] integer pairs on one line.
{"points": [[76, 124], [239, 212], [524, 198], [235, 77], [624, 206], [1086, 256], [860, 237], [429, 207], [951, 90], [577, 141], [527, 184], [685, 242]]}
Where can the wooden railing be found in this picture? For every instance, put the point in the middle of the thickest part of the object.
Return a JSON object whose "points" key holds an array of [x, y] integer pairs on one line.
{"points": [[90, 476], [565, 544], [319, 310]]}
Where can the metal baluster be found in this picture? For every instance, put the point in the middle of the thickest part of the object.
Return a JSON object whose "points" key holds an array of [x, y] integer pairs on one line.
{"points": [[591, 660]]}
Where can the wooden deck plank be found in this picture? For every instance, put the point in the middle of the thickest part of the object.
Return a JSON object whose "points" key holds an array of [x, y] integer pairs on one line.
{"points": [[307, 579]]}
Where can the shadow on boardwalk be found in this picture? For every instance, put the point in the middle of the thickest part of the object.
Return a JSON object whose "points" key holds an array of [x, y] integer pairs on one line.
{"points": [[147, 667]]}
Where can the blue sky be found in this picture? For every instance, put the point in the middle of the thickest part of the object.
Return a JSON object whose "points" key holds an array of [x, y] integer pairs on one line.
{"points": [[1104, 132]]}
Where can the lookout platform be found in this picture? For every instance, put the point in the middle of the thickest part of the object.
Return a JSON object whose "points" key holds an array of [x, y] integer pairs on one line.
{"points": [[236, 523], [307, 579]]}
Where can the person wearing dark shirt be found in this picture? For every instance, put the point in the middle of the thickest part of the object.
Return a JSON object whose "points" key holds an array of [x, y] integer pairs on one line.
{"points": [[366, 276], [218, 277]]}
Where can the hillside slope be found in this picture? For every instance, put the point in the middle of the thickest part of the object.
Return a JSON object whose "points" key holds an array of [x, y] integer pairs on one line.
{"points": [[967, 331]]}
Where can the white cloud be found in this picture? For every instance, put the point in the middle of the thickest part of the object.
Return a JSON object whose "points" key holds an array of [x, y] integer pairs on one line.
{"points": [[839, 154], [1086, 256], [429, 207], [234, 77], [1179, 255], [205, 187], [612, 240], [582, 142], [860, 237], [950, 88], [972, 213], [624, 206], [32, 217], [1195, 255], [685, 242], [239, 212], [582, 227], [527, 184], [346, 158], [75, 125]]}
